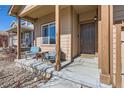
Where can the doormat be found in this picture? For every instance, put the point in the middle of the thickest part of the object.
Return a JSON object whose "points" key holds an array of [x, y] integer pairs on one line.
{"points": [[88, 55]]}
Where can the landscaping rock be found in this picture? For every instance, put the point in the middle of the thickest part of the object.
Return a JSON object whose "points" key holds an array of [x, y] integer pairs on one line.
{"points": [[48, 76], [13, 76]]}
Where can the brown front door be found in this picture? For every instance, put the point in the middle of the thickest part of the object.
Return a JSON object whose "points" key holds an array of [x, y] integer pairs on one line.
{"points": [[87, 35]]}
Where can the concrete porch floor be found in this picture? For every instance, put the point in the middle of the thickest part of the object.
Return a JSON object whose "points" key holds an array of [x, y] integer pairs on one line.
{"points": [[83, 72]]}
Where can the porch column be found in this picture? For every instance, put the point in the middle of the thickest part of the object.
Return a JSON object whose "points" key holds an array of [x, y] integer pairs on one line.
{"points": [[18, 38], [99, 37], [118, 78], [35, 32], [111, 42], [106, 28], [58, 31]]}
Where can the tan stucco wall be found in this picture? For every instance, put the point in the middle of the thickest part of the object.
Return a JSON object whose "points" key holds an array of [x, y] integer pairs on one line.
{"points": [[86, 16], [77, 19], [75, 33], [70, 30], [65, 32], [46, 19]]}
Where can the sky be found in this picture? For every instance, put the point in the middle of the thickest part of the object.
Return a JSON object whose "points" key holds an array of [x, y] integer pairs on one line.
{"points": [[5, 19]]}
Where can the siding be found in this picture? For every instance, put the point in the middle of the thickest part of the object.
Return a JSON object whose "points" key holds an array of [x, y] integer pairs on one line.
{"points": [[75, 34], [65, 32], [122, 56], [70, 39], [114, 52], [45, 19], [118, 11], [118, 14]]}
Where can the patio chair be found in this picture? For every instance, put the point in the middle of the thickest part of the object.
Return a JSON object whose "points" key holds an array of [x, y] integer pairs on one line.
{"points": [[33, 51], [51, 55]]}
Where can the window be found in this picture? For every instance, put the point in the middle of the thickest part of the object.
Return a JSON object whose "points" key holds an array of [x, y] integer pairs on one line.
{"points": [[48, 34]]}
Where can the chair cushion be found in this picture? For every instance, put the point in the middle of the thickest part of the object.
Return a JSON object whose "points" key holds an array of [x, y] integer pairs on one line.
{"points": [[35, 49]]}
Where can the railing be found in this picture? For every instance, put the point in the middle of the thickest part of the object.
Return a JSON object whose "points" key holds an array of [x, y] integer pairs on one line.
{"points": [[48, 40], [45, 40]]}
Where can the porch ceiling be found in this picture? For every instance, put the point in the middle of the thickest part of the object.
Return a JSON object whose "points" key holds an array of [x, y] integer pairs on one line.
{"points": [[39, 11], [85, 8], [14, 9], [35, 12]]}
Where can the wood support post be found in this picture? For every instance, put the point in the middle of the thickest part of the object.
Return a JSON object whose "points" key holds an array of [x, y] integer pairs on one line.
{"points": [[99, 37], [18, 38], [35, 33], [111, 42], [118, 79], [105, 76], [58, 32]]}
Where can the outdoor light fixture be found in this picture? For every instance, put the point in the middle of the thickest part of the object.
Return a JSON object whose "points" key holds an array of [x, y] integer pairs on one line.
{"points": [[95, 18]]}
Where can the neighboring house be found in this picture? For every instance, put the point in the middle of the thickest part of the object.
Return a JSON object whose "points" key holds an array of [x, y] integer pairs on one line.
{"points": [[27, 34], [3, 39], [86, 29]]}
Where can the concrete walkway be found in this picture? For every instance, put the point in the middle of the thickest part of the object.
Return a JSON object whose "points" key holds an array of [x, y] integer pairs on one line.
{"points": [[83, 72], [58, 82]]}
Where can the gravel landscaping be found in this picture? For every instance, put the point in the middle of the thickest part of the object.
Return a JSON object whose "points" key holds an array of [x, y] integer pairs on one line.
{"points": [[12, 76]]}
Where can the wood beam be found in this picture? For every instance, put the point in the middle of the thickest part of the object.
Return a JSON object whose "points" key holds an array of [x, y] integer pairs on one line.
{"points": [[32, 20], [58, 32], [18, 38], [99, 37], [118, 79], [105, 76], [35, 33], [14, 9], [28, 10], [111, 42]]}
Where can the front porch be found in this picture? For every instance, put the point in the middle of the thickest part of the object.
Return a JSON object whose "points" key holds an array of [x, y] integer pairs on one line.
{"points": [[67, 24], [82, 72]]}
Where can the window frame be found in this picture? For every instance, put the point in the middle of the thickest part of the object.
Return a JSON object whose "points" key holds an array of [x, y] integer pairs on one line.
{"points": [[48, 32]]}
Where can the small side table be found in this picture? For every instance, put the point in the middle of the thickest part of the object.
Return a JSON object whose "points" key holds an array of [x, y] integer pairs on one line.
{"points": [[40, 55]]}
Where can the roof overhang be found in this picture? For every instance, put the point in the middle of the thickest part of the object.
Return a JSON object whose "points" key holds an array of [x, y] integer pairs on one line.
{"points": [[14, 9], [33, 12], [37, 11], [23, 29], [3, 33]]}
